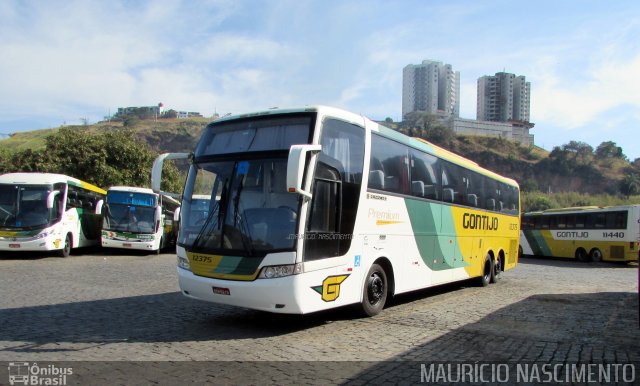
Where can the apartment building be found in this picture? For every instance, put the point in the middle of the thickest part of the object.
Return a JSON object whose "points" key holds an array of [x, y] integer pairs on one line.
{"points": [[503, 97], [432, 87]]}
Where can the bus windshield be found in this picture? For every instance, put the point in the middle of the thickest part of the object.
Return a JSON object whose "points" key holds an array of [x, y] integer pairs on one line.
{"points": [[250, 211], [129, 218], [25, 207]]}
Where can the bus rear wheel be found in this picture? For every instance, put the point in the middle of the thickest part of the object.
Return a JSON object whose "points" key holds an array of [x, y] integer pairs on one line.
{"points": [[595, 255], [496, 273], [374, 294], [66, 248]]}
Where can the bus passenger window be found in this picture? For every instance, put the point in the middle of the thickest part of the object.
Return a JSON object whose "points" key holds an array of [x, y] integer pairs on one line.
{"points": [[391, 158]]}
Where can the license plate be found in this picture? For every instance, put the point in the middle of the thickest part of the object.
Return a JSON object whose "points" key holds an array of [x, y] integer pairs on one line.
{"points": [[126, 245], [221, 291], [14, 245]]}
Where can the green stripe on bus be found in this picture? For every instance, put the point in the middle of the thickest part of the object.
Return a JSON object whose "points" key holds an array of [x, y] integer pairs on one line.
{"points": [[435, 250]]}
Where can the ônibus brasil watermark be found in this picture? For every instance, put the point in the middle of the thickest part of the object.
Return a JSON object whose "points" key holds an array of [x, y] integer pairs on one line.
{"points": [[25, 373], [551, 373]]}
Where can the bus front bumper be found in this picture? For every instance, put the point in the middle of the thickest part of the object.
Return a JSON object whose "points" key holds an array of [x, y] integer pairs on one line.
{"points": [[43, 244], [137, 245], [271, 295]]}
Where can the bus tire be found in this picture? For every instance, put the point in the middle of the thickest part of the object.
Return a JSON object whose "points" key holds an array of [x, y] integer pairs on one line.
{"points": [[487, 269], [496, 272], [375, 291], [581, 255], [157, 251], [66, 248], [595, 255]]}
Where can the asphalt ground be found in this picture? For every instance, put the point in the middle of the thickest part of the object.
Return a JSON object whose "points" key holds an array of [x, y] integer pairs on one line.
{"points": [[114, 317]]}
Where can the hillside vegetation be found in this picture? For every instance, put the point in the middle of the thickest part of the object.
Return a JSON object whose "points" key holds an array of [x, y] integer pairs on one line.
{"points": [[570, 175]]}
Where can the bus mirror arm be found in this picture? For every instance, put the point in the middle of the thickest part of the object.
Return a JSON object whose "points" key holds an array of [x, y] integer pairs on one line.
{"points": [[52, 195], [156, 169], [296, 167]]}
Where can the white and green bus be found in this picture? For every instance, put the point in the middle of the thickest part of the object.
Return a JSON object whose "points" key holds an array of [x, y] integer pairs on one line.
{"points": [[138, 218], [48, 212], [317, 208], [585, 233]]}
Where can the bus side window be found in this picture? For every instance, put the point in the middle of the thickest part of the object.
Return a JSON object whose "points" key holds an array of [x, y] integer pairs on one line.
{"points": [[424, 181], [393, 157]]}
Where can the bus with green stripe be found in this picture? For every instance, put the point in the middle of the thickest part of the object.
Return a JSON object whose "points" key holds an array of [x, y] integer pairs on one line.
{"points": [[48, 212], [588, 233], [140, 219], [317, 208]]}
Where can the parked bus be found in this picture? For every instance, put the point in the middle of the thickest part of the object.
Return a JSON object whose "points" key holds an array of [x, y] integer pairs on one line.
{"points": [[138, 218], [48, 212], [585, 233], [318, 208]]}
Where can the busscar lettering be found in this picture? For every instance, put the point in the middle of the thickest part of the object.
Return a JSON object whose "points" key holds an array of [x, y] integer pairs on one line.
{"points": [[479, 222]]}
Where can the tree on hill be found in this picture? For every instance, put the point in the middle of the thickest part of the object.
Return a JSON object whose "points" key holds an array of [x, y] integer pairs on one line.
{"points": [[630, 184], [609, 149], [105, 159], [427, 126]]}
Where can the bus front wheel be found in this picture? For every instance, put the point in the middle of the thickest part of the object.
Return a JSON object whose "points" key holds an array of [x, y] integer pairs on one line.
{"points": [[581, 255], [375, 291], [66, 248], [487, 272]]}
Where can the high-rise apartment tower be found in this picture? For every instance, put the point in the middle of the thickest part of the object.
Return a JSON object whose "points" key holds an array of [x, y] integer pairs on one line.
{"points": [[503, 98], [431, 87]]}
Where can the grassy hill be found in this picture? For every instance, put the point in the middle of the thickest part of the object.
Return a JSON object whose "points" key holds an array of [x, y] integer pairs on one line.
{"points": [[163, 135]]}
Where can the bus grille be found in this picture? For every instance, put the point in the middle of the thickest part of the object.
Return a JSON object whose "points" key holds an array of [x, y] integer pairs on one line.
{"points": [[617, 252]]}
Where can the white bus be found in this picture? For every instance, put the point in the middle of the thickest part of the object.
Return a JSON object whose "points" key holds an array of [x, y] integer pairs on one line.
{"points": [[585, 233], [318, 208], [48, 212], [138, 218]]}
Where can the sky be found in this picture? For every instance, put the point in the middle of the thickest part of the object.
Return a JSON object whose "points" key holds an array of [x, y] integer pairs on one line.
{"points": [[63, 61]]}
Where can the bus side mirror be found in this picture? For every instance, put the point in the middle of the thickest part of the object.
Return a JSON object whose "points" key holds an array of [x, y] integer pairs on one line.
{"points": [[295, 167], [99, 205], [158, 217], [176, 215], [51, 197]]}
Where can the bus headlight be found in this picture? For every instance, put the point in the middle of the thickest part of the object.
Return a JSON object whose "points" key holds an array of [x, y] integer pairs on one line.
{"points": [[183, 263], [42, 235], [276, 271]]}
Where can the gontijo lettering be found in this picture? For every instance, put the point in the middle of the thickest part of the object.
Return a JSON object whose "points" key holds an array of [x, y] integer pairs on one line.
{"points": [[479, 221]]}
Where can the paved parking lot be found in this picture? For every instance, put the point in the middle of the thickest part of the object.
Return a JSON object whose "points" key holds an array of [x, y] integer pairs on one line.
{"points": [[99, 306]]}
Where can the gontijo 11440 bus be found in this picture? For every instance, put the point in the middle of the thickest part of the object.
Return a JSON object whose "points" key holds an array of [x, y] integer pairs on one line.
{"points": [[138, 218], [586, 233], [48, 212], [316, 208]]}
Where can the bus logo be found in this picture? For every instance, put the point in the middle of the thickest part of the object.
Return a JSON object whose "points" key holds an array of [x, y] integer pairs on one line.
{"points": [[330, 288], [18, 373]]}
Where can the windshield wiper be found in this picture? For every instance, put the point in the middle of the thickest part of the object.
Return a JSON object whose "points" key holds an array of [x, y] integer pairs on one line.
{"points": [[244, 231], [220, 214]]}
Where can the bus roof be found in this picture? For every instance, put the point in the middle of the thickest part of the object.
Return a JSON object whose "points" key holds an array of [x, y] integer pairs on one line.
{"points": [[47, 179], [417, 143], [135, 189], [132, 189], [580, 209]]}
